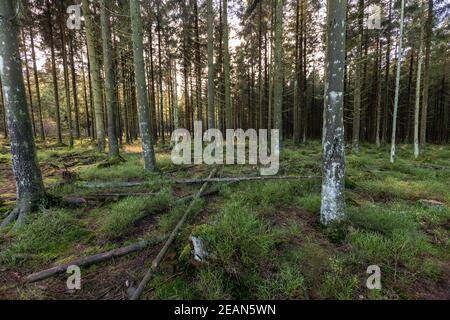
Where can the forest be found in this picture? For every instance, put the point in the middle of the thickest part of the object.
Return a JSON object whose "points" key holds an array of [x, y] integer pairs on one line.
{"points": [[224, 150]]}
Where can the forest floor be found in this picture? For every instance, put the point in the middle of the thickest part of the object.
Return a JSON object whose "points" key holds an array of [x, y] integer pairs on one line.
{"points": [[264, 239]]}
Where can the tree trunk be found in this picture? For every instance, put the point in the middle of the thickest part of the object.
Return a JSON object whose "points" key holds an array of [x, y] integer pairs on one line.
{"points": [[333, 202], [397, 84], [66, 81], [86, 103], [358, 81], [296, 125], [3, 109], [161, 95], [386, 77], [74, 88], [27, 73], [408, 97], [426, 77], [210, 45], [418, 86], [38, 91], [198, 64], [29, 185], [278, 72], [55, 78], [379, 88], [226, 67], [95, 77], [111, 103], [142, 100]]}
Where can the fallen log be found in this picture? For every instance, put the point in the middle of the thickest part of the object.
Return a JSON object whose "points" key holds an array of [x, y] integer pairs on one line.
{"points": [[194, 181], [96, 258], [155, 263], [246, 178], [120, 184], [432, 166]]}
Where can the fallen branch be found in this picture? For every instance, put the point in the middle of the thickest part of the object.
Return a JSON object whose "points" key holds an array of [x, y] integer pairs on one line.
{"points": [[238, 179], [116, 195], [136, 295], [194, 181], [432, 166], [103, 185], [96, 258]]}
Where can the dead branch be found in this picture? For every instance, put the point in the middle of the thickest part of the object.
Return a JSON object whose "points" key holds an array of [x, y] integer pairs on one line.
{"points": [[194, 181], [238, 179], [96, 258], [136, 295]]}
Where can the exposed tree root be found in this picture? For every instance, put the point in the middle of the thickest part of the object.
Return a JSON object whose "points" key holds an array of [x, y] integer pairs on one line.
{"points": [[18, 214]]}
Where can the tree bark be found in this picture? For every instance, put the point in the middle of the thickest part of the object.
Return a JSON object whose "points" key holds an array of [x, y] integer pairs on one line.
{"points": [[74, 88], [210, 47], [111, 102], [36, 82], [418, 86], [333, 176], [27, 73], [66, 81], [226, 67], [95, 77], [54, 75], [358, 81], [278, 70], [397, 84], [142, 100], [29, 185], [426, 77]]}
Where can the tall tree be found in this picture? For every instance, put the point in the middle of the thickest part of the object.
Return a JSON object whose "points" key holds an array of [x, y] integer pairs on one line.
{"points": [[29, 185], [397, 83], [111, 103], [226, 67], [426, 77], [27, 74], [333, 170], [161, 94], [66, 77], [36, 82], [54, 73], [298, 42], [278, 72], [358, 81], [74, 87], [418, 85], [142, 99], [210, 45], [95, 77], [386, 102], [3, 109]]}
